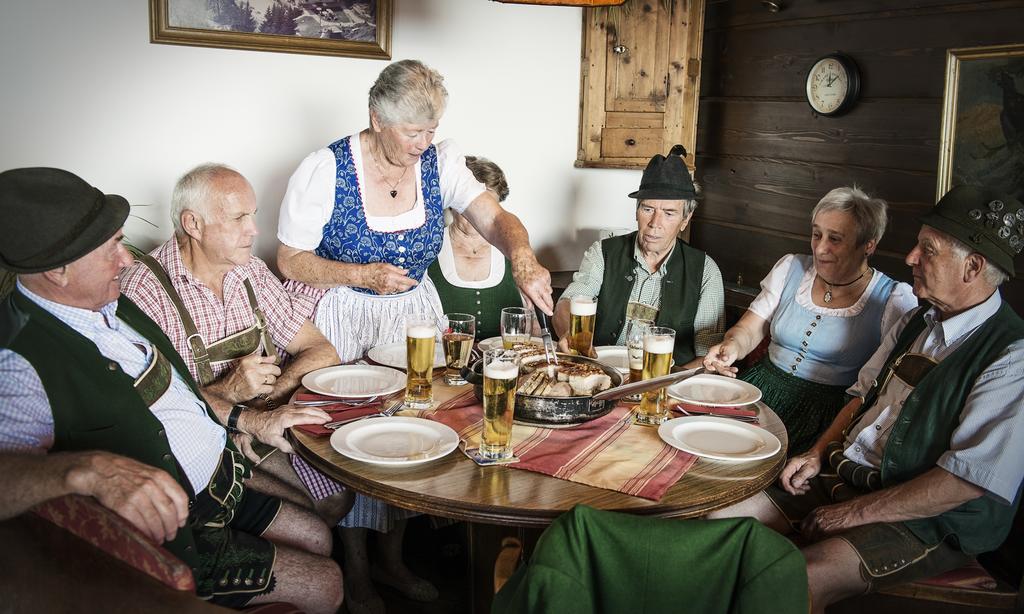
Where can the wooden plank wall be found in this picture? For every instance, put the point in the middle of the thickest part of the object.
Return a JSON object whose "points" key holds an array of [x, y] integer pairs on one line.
{"points": [[764, 158]]}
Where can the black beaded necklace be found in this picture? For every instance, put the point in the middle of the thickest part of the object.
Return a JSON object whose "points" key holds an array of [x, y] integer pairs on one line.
{"points": [[828, 285]]}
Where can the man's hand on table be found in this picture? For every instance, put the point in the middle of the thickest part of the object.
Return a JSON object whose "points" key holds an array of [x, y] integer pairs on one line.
{"points": [[563, 347], [250, 377], [270, 426], [145, 496]]}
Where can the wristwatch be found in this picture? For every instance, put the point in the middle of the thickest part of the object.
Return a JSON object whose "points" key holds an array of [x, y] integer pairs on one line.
{"points": [[236, 411]]}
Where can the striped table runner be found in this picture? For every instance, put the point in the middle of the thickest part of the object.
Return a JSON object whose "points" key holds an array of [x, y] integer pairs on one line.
{"points": [[609, 452]]}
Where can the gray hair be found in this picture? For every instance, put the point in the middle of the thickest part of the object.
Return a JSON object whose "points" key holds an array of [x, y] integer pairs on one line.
{"points": [[410, 92], [992, 274], [869, 214], [689, 205], [195, 190]]}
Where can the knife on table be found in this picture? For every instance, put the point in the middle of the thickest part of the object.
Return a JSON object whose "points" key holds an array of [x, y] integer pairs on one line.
{"points": [[646, 385]]}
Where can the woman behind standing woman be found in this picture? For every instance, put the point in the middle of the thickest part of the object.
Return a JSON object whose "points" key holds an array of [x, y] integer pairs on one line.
{"points": [[826, 314], [361, 221], [472, 276]]}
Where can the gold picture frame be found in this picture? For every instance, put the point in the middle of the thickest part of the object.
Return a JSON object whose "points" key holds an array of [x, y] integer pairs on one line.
{"points": [[979, 144], [351, 28]]}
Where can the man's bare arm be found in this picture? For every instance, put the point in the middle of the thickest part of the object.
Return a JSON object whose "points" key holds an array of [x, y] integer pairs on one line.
{"points": [[310, 351], [147, 497], [929, 494]]}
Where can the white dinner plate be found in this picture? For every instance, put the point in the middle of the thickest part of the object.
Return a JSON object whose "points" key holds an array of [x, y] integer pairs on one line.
{"points": [[715, 391], [397, 440], [393, 355], [719, 438], [354, 381], [493, 343], [615, 356]]}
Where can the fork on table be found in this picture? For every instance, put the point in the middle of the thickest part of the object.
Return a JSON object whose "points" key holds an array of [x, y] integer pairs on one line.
{"points": [[397, 407]]}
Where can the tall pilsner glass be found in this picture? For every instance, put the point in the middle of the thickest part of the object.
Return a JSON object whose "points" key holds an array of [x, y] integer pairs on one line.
{"points": [[636, 330], [516, 326], [582, 318], [501, 371], [659, 342], [420, 336], [457, 339]]}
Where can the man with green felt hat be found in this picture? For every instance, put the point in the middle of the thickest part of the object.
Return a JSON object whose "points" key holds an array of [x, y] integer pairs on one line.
{"points": [[922, 470], [95, 401], [651, 274]]}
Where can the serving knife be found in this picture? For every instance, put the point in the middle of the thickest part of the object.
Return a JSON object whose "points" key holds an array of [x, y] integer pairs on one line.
{"points": [[646, 385]]}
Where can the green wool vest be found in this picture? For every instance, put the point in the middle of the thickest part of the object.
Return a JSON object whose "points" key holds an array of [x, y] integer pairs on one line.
{"points": [[680, 293], [94, 403], [926, 423], [484, 303]]}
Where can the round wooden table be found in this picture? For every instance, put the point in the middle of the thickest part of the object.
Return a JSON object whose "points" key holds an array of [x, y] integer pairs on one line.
{"points": [[456, 487]]}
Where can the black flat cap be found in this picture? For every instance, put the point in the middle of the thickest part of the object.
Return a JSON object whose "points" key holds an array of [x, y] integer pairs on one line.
{"points": [[53, 217]]}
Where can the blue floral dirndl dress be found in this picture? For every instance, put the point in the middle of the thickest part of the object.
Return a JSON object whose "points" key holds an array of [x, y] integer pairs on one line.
{"points": [[356, 319]]}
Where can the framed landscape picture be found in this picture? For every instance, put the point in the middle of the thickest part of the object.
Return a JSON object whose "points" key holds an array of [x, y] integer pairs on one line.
{"points": [[354, 28], [983, 120]]}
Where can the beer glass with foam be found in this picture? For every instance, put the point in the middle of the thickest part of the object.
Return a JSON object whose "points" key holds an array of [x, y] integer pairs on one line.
{"points": [[635, 332], [501, 371], [659, 343], [457, 340], [420, 336], [516, 326], [582, 319]]}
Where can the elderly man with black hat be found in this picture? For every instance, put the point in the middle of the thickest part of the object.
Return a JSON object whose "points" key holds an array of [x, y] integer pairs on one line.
{"points": [[652, 274], [923, 468], [95, 401]]}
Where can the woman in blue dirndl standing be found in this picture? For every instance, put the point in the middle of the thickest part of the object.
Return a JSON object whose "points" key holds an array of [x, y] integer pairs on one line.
{"points": [[361, 221]]}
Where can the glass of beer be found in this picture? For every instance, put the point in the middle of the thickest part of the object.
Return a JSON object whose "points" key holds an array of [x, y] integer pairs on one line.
{"points": [[659, 343], [420, 336], [635, 332], [582, 318], [516, 326], [501, 371], [457, 339]]}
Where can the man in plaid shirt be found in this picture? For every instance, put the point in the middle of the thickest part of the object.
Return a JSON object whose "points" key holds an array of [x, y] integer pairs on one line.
{"points": [[208, 262]]}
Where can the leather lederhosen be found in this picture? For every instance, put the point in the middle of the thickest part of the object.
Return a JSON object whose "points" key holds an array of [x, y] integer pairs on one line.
{"points": [[232, 347]]}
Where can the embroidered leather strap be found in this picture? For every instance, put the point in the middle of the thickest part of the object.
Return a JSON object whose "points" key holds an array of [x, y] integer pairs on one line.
{"points": [[234, 346], [152, 383], [194, 340]]}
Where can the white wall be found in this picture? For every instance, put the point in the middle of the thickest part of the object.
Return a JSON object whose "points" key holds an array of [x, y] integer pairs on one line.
{"points": [[83, 89]]}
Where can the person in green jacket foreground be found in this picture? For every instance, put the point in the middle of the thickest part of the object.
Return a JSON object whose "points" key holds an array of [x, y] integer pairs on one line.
{"points": [[95, 401], [652, 274], [922, 469]]}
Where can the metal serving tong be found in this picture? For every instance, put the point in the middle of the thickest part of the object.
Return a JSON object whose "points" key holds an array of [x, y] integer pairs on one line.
{"points": [[646, 385], [549, 346]]}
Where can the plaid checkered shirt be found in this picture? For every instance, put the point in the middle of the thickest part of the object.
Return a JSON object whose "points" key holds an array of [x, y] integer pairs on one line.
{"points": [[215, 319]]}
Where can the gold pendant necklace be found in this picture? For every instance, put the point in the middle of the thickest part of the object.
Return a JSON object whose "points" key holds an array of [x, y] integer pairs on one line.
{"points": [[828, 286], [393, 186]]}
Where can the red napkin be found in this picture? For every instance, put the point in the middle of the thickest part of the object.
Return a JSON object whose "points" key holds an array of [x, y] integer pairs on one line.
{"points": [[338, 411], [748, 410]]}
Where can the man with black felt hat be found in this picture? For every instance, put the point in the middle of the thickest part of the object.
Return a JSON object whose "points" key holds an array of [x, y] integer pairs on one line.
{"points": [[652, 274], [922, 470], [95, 401]]}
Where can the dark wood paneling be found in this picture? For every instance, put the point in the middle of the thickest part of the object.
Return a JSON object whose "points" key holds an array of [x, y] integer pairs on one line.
{"points": [[902, 135], [720, 14], [899, 57], [764, 159], [779, 196], [762, 249]]}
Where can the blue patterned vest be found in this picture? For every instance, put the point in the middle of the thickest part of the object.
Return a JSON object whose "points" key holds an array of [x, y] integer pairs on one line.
{"points": [[348, 238]]}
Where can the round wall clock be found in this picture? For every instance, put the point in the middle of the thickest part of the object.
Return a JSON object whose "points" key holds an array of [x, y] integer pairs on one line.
{"points": [[833, 84]]}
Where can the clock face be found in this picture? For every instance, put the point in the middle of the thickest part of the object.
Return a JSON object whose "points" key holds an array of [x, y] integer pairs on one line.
{"points": [[829, 85]]}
